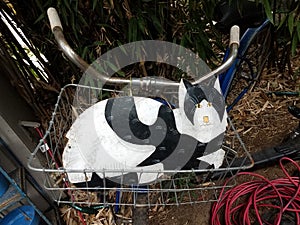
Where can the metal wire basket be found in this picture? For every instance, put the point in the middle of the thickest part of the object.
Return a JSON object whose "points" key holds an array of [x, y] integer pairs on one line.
{"points": [[181, 187]]}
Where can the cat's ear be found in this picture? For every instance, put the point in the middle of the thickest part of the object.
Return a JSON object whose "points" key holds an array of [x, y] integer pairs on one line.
{"points": [[217, 85], [184, 85]]}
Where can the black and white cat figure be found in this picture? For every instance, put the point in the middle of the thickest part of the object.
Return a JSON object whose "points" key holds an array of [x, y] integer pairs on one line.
{"points": [[136, 132]]}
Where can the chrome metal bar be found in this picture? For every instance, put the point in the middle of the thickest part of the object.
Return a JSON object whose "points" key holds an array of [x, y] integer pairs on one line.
{"points": [[67, 50], [223, 67], [79, 62], [143, 83]]}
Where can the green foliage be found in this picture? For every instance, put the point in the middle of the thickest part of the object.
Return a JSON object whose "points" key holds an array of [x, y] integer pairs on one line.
{"points": [[285, 15], [293, 22], [93, 27], [268, 9]]}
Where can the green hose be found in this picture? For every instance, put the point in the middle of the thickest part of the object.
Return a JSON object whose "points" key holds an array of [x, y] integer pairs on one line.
{"points": [[282, 93], [88, 210]]}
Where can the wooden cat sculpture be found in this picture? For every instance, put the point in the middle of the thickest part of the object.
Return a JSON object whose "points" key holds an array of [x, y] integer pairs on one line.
{"points": [[137, 132]]}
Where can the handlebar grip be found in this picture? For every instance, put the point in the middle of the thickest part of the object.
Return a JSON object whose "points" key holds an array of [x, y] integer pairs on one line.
{"points": [[54, 18], [234, 35]]}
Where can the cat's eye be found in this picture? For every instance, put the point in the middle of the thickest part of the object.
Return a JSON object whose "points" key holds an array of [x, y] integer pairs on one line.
{"points": [[209, 104], [198, 105]]}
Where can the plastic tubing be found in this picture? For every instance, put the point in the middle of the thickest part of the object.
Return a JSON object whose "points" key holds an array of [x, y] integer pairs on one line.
{"points": [[242, 203]]}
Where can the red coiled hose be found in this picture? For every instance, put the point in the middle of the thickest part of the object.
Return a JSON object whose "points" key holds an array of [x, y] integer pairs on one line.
{"points": [[243, 203]]}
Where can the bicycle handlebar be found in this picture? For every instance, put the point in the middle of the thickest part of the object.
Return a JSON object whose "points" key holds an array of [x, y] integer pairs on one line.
{"points": [[54, 19], [234, 35], [145, 82]]}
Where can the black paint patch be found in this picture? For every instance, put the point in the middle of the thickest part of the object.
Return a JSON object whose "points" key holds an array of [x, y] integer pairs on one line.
{"points": [[166, 120], [194, 96], [215, 97], [121, 115], [185, 154]]}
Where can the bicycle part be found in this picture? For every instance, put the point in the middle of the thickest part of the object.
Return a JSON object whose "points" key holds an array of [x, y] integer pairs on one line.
{"points": [[267, 157], [78, 61], [246, 40], [270, 155], [253, 54], [166, 190], [234, 35], [180, 188], [290, 147]]}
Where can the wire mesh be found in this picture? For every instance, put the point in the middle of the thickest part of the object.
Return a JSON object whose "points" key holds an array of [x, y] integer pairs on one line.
{"points": [[172, 187]]}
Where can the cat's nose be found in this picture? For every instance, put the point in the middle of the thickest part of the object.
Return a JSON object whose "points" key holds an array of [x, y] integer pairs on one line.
{"points": [[205, 119]]}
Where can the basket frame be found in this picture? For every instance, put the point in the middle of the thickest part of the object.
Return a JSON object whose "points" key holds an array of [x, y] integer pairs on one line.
{"points": [[186, 188]]}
